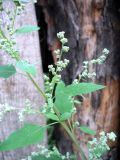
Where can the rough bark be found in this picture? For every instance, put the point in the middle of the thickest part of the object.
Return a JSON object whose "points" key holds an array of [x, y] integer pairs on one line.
{"points": [[18, 88], [90, 26]]}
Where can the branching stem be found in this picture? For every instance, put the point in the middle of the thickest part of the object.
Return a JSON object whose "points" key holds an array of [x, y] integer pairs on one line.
{"points": [[74, 140]]}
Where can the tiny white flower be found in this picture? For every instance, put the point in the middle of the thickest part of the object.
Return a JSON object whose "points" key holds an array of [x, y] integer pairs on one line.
{"points": [[106, 51], [64, 40], [111, 136], [60, 35], [102, 133]]}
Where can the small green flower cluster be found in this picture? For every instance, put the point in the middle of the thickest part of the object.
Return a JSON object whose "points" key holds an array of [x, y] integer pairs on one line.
{"points": [[20, 4], [7, 40], [64, 47], [43, 151], [63, 40], [8, 47], [55, 70], [98, 147], [27, 110], [87, 64]]}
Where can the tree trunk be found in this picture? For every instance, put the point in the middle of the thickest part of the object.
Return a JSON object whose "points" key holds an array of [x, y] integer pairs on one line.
{"points": [[90, 26], [18, 88]]}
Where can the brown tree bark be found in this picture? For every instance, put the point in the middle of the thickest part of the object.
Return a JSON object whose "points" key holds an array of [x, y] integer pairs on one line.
{"points": [[18, 88], [90, 26]]}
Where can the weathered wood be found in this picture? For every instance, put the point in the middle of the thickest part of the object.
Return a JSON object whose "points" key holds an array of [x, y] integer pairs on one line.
{"points": [[18, 88], [90, 26]]}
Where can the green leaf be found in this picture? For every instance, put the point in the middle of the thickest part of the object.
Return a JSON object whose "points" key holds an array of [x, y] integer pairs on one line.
{"points": [[63, 101], [7, 70], [51, 116], [60, 88], [26, 67], [87, 130], [27, 28], [63, 94], [29, 134], [65, 116], [82, 88]]}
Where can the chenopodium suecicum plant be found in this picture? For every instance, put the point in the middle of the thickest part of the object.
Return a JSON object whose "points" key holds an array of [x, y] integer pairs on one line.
{"points": [[59, 98]]}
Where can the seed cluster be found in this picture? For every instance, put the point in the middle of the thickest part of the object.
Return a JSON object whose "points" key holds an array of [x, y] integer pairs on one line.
{"points": [[48, 153], [55, 70], [98, 147], [87, 64]]}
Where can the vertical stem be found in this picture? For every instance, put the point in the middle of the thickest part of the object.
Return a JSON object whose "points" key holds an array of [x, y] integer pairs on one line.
{"points": [[36, 86], [14, 17], [74, 140]]}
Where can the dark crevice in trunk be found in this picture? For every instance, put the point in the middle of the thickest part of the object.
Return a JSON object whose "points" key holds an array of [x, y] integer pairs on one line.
{"points": [[46, 53]]}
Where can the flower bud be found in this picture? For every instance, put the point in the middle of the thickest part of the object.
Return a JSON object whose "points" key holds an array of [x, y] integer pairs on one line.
{"points": [[65, 48], [64, 40], [60, 35]]}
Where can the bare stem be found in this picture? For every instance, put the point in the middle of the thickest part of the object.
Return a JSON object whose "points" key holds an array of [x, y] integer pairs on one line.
{"points": [[74, 140], [36, 86]]}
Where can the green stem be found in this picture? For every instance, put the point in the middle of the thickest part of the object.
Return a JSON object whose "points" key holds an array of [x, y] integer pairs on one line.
{"points": [[74, 140], [14, 17], [28, 75], [36, 86], [52, 124], [70, 125], [34, 83]]}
